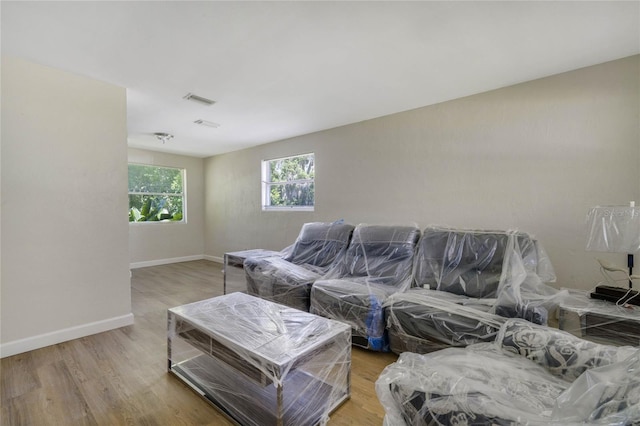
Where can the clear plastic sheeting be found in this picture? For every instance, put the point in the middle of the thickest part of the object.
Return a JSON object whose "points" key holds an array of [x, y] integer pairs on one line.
{"points": [[614, 229], [280, 281], [530, 375], [287, 278], [466, 283], [357, 303], [377, 263], [319, 244], [234, 275], [471, 262], [423, 320], [598, 320], [259, 362], [611, 394]]}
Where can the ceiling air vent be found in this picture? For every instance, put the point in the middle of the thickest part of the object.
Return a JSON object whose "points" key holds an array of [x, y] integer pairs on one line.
{"points": [[207, 123], [199, 99]]}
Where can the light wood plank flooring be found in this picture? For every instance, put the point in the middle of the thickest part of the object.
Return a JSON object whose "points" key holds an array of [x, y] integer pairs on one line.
{"points": [[120, 377]]}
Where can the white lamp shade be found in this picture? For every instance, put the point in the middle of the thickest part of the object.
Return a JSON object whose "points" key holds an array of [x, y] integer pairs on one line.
{"points": [[614, 229]]}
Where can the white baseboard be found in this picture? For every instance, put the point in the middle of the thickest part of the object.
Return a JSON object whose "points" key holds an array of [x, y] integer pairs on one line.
{"points": [[59, 336], [214, 259], [157, 262]]}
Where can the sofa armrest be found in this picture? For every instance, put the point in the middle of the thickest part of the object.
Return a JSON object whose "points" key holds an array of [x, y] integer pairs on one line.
{"points": [[270, 268], [533, 313], [280, 281]]}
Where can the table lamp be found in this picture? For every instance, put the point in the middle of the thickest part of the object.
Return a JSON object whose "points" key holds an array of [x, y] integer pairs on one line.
{"points": [[614, 229]]}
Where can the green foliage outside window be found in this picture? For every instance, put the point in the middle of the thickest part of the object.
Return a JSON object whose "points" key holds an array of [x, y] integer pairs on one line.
{"points": [[291, 181], [155, 193]]}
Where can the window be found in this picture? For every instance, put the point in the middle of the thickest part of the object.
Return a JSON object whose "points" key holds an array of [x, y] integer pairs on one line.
{"points": [[288, 183], [156, 194]]}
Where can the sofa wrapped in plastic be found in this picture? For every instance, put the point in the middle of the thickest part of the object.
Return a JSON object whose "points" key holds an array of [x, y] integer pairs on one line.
{"points": [[378, 263], [287, 279], [466, 283], [530, 374]]}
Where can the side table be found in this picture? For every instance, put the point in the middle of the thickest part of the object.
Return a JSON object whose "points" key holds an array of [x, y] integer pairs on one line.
{"points": [[600, 321], [234, 277]]}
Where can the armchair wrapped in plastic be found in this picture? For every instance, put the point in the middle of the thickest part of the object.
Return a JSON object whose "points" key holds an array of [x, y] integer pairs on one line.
{"points": [[467, 282], [287, 279], [377, 264], [530, 374]]}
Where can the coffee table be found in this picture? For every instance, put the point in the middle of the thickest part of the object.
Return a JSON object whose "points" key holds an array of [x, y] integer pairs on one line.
{"points": [[259, 362]]}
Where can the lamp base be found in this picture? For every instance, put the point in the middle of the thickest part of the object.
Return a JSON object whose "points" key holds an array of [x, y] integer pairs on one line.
{"points": [[616, 295]]}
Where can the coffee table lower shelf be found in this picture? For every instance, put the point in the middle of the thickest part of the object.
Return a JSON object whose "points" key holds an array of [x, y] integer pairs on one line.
{"points": [[301, 400]]}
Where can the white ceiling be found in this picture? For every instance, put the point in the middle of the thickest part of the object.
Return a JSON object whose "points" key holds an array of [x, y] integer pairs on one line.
{"points": [[282, 69]]}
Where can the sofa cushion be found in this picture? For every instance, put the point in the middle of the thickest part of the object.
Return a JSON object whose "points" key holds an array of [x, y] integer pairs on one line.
{"points": [[440, 316]]}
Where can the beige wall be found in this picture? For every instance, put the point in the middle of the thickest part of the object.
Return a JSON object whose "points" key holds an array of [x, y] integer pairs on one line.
{"points": [[65, 258], [166, 242], [534, 156]]}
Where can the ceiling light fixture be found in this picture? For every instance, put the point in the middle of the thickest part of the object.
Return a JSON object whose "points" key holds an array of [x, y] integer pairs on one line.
{"points": [[207, 123], [163, 137], [193, 97]]}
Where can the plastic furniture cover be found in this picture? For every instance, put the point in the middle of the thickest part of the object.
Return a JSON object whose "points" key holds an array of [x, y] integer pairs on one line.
{"points": [[599, 320], [287, 279], [378, 263], [530, 375], [261, 362], [235, 278], [467, 283], [614, 229], [471, 262]]}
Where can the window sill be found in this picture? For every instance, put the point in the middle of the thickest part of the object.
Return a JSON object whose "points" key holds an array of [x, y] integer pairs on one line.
{"points": [[288, 209], [157, 222]]}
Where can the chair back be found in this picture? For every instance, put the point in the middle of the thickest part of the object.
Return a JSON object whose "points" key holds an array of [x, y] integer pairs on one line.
{"points": [[382, 253], [319, 243], [468, 262]]}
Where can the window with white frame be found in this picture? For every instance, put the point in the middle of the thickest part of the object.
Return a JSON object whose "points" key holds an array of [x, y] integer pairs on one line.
{"points": [[156, 194], [288, 183]]}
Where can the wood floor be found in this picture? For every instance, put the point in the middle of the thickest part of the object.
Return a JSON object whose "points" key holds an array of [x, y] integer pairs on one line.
{"points": [[120, 377]]}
